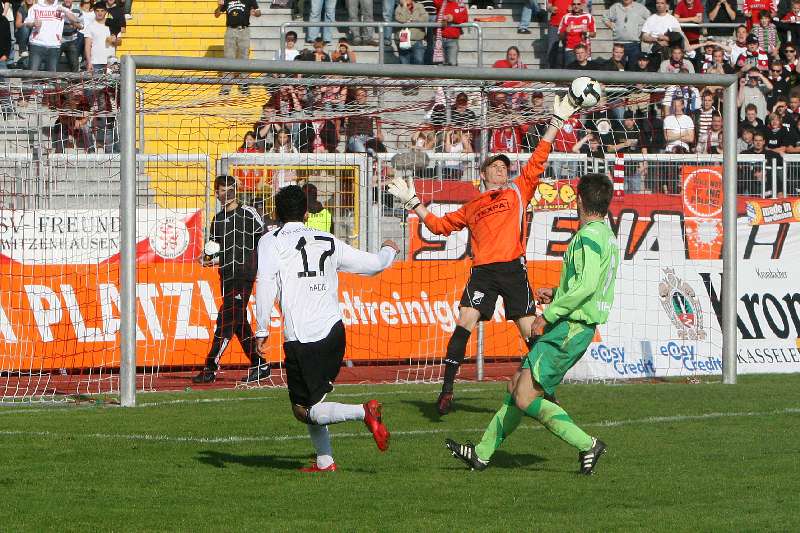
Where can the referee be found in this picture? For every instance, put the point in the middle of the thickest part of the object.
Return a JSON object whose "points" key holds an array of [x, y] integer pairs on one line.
{"points": [[236, 229], [237, 31]]}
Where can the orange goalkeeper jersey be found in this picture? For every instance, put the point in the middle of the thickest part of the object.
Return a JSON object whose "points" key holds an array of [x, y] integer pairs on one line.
{"points": [[496, 219]]}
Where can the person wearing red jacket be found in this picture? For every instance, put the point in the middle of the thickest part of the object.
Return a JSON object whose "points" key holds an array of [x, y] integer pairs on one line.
{"points": [[450, 13], [497, 224]]}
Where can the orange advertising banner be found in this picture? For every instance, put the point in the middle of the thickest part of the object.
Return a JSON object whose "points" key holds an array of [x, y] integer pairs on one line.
{"points": [[772, 211], [67, 316]]}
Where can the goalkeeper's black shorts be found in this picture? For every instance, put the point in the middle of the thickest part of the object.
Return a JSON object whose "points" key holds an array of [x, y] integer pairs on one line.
{"points": [[509, 280], [312, 367]]}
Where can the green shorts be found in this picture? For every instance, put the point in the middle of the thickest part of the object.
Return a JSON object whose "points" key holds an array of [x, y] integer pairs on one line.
{"points": [[556, 351]]}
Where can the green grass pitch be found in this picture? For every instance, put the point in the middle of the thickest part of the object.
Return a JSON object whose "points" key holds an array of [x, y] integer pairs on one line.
{"points": [[682, 457]]}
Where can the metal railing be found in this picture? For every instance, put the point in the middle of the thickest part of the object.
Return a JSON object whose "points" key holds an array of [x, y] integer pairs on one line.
{"points": [[379, 28]]}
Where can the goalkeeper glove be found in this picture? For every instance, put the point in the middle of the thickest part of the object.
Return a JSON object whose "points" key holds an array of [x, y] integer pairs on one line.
{"points": [[563, 108], [404, 191]]}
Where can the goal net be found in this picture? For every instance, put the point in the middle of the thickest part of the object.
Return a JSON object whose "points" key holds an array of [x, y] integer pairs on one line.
{"points": [[347, 136]]}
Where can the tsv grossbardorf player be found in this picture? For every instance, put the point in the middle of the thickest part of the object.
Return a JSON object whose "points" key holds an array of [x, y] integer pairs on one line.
{"points": [[496, 220], [300, 265]]}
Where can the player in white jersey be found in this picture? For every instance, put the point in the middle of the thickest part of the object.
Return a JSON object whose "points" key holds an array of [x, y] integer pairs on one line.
{"points": [[299, 265]]}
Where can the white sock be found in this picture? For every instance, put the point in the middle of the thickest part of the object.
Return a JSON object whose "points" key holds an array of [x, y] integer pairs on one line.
{"points": [[322, 444], [324, 413]]}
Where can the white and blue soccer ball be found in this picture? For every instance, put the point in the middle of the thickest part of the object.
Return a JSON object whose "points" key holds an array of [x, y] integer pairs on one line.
{"points": [[585, 92]]}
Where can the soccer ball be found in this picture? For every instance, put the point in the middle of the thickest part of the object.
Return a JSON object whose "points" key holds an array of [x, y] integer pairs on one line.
{"points": [[585, 92]]}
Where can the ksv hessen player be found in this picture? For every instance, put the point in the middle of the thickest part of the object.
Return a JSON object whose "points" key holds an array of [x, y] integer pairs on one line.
{"points": [[582, 300], [497, 223], [299, 265]]}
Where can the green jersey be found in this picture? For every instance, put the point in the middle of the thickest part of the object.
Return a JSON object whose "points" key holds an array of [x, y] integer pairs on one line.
{"points": [[586, 289]]}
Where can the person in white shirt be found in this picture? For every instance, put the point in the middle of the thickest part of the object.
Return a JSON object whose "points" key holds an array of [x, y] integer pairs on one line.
{"points": [[46, 20], [289, 51], [656, 27], [99, 44], [299, 265], [678, 127]]}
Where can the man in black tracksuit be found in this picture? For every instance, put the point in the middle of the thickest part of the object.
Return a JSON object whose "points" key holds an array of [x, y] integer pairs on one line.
{"points": [[237, 229]]}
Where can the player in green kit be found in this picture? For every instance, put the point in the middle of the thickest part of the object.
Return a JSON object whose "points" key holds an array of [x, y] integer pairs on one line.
{"points": [[582, 300]]}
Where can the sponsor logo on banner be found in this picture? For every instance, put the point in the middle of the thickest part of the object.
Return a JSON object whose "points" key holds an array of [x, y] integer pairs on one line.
{"points": [[768, 211], [687, 355], [560, 194], [614, 356], [169, 238], [682, 306]]}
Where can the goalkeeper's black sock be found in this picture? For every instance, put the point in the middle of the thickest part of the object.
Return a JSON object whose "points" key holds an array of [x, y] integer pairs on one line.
{"points": [[456, 348]]}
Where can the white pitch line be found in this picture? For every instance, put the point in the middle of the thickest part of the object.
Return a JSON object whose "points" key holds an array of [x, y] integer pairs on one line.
{"points": [[232, 439]]}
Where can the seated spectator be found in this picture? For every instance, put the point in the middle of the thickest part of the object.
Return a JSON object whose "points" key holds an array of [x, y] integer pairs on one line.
{"points": [[460, 114], [753, 58], [767, 35], [660, 31], [320, 55], [505, 139], [424, 139], [537, 125], [690, 11], [513, 60], [678, 128], [566, 138], [319, 217], [289, 50], [778, 137], [752, 10], [343, 53], [745, 140], [752, 90], [761, 184], [676, 62], [22, 33], [410, 40], [73, 125], [641, 64], [361, 125], [703, 116], [617, 59], [582, 61], [628, 139], [625, 19], [576, 28], [456, 141], [751, 119], [249, 178], [710, 140], [721, 12]]}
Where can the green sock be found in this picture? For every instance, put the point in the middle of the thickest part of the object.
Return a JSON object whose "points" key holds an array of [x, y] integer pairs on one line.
{"points": [[554, 418], [505, 421]]}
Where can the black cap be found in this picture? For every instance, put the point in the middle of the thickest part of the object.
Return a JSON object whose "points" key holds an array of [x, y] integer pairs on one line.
{"points": [[642, 55], [492, 158], [751, 39], [628, 114]]}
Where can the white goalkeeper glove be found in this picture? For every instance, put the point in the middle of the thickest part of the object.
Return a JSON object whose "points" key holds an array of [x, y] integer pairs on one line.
{"points": [[563, 108], [404, 191]]}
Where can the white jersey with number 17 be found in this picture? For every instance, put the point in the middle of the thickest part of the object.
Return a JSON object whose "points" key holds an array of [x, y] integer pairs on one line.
{"points": [[299, 265]]}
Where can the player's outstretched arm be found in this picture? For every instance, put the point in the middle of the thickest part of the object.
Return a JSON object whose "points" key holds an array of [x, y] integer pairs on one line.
{"points": [[266, 284], [404, 191], [358, 262]]}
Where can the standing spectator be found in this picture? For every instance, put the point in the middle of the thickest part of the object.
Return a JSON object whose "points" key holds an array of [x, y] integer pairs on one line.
{"points": [[752, 10], [456, 141], [289, 50], [430, 34], [678, 128], [738, 45], [449, 14], [236, 229], [413, 51], [513, 60], [704, 115], [565, 140], [752, 90], [625, 19], [717, 65], [69, 38], [710, 141], [745, 140], [505, 139], [298, 9], [676, 62], [23, 31], [530, 10], [658, 31], [780, 86], [46, 20], [5, 48], [721, 12], [790, 23], [237, 31], [751, 119], [361, 125], [359, 36], [754, 56], [99, 44], [778, 137], [576, 28], [389, 8], [87, 15], [690, 11], [266, 129], [767, 35], [320, 9], [557, 9], [319, 217], [249, 179], [116, 17], [283, 145], [760, 184], [628, 139]]}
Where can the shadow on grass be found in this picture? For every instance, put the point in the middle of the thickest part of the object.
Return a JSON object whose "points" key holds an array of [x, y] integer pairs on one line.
{"points": [[431, 412], [221, 460], [502, 459]]}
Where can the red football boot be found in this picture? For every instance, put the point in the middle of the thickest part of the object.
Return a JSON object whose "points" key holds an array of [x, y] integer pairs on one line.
{"points": [[314, 468], [372, 419]]}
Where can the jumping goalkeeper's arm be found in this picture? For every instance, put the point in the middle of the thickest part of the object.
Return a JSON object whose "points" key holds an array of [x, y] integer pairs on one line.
{"points": [[404, 191]]}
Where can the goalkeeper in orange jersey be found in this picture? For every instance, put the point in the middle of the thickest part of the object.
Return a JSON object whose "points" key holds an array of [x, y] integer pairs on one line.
{"points": [[497, 226]]}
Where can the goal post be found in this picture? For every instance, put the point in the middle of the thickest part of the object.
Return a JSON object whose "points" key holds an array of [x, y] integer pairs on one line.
{"points": [[133, 66]]}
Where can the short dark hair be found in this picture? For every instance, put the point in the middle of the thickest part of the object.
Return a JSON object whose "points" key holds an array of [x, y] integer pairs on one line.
{"points": [[99, 5], [291, 204], [579, 45], [748, 107], [291, 34], [595, 191], [224, 180]]}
